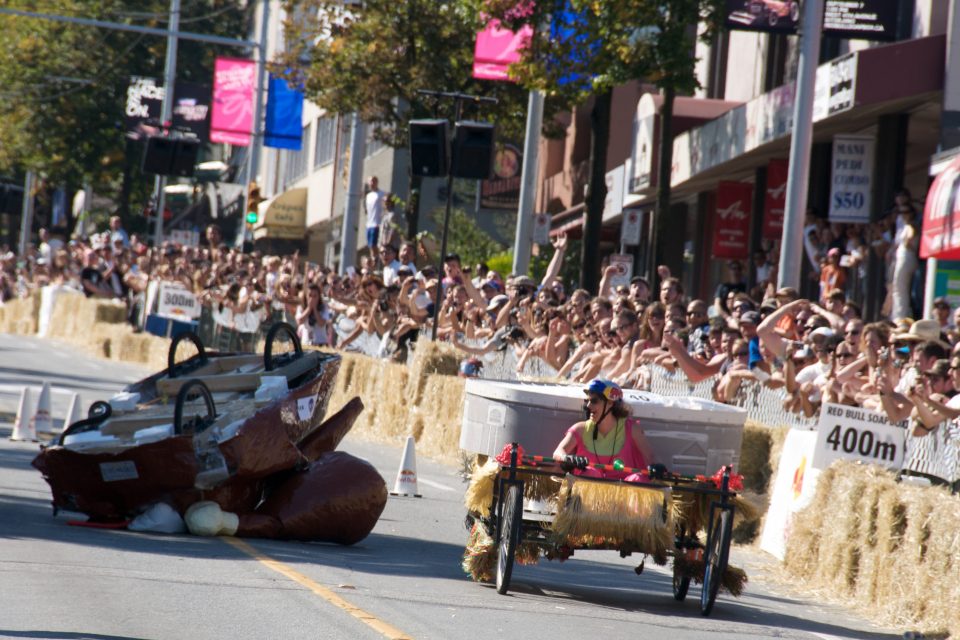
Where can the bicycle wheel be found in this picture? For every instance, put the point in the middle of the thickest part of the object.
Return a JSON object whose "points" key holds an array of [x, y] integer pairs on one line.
{"points": [[510, 522], [715, 559]]}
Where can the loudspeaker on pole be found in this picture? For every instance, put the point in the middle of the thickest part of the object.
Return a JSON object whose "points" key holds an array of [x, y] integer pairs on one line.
{"points": [[428, 148], [473, 151]]}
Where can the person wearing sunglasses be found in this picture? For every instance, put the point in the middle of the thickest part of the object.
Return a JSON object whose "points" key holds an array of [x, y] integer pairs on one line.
{"points": [[607, 434]]}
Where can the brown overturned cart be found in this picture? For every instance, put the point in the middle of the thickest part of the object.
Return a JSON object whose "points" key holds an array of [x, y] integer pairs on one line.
{"points": [[243, 430], [536, 508]]}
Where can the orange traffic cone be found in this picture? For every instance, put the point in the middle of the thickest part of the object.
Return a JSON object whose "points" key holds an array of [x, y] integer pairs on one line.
{"points": [[406, 484], [42, 420], [23, 425]]}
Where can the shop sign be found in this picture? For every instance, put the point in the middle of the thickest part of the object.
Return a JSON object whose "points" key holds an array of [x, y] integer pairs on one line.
{"points": [[631, 227], [641, 160], [851, 179], [624, 264], [940, 237], [613, 202], [731, 222], [861, 435], [775, 200], [541, 228]]}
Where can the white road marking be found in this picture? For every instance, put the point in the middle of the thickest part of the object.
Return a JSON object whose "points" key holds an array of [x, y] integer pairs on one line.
{"points": [[435, 485]]}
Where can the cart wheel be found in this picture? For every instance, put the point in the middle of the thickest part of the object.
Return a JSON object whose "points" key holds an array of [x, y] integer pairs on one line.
{"points": [[510, 523], [715, 560], [681, 583]]}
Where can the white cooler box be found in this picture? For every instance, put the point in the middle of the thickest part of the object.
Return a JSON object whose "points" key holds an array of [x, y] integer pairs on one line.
{"points": [[688, 435]]}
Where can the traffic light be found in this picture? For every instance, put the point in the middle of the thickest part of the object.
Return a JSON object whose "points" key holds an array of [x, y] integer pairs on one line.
{"points": [[253, 203]]}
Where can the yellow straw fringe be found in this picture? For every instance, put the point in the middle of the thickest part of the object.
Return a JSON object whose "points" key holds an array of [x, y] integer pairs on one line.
{"points": [[618, 515], [479, 496]]}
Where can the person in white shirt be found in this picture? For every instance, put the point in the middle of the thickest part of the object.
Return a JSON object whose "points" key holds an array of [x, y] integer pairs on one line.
{"points": [[388, 256], [373, 202]]}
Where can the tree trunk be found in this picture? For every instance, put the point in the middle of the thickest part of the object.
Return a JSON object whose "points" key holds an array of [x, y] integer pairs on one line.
{"points": [[664, 170], [596, 191]]}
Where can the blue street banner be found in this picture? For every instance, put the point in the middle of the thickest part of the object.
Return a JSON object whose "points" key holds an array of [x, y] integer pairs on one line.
{"points": [[283, 126]]}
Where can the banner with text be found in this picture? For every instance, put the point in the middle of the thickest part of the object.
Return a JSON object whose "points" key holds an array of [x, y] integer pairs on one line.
{"points": [[731, 224], [853, 433], [174, 301], [234, 83], [851, 179], [143, 108], [775, 200], [854, 19]]}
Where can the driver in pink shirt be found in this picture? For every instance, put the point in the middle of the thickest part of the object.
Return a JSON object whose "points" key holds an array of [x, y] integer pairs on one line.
{"points": [[609, 434]]}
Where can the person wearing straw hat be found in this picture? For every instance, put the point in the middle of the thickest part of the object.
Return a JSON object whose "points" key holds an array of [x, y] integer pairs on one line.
{"points": [[606, 437]]}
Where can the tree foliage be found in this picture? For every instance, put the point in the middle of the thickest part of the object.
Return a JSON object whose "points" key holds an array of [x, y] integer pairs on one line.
{"points": [[373, 59], [64, 85]]}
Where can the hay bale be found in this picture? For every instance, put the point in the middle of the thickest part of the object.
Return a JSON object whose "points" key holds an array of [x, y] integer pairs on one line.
{"points": [[442, 409], [755, 462], [21, 316], [435, 357]]}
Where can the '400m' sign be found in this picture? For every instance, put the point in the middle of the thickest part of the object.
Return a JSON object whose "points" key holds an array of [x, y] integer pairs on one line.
{"points": [[853, 433]]}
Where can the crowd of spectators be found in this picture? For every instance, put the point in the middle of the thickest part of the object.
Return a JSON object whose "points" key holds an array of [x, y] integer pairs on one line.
{"points": [[814, 350]]}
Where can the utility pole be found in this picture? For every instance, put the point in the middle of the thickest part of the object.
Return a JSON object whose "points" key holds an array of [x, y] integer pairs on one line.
{"points": [[528, 185], [169, 79], [351, 210], [256, 144], [791, 245]]}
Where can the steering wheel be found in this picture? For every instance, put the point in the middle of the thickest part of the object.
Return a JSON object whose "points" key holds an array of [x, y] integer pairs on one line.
{"points": [[197, 424], [172, 365], [268, 363]]}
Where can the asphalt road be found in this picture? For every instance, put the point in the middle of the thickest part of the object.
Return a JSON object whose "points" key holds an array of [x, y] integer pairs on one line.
{"points": [[63, 581]]}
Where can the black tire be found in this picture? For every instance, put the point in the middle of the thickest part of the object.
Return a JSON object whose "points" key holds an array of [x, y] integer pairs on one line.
{"points": [[510, 521], [715, 558], [195, 386], [268, 360], [772, 17], [172, 352], [681, 584], [795, 12]]}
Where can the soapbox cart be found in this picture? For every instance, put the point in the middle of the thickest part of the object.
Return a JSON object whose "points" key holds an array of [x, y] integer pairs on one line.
{"points": [[522, 506]]}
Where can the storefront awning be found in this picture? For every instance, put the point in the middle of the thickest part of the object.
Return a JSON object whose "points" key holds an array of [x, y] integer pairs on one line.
{"points": [[851, 92], [284, 216], [941, 215]]}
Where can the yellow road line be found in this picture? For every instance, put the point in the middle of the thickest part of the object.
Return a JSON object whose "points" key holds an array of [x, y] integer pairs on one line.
{"points": [[378, 625]]}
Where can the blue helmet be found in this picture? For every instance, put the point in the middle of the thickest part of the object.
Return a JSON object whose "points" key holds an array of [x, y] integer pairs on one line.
{"points": [[605, 389]]}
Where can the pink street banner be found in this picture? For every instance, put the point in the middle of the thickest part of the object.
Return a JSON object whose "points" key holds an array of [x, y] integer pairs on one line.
{"points": [[234, 83], [496, 49]]}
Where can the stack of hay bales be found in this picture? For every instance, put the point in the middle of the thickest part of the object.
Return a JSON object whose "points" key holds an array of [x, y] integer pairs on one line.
{"points": [[424, 400], [100, 327], [884, 547], [20, 316]]}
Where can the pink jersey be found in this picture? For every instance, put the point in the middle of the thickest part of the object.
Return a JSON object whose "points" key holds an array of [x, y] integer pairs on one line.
{"points": [[628, 453]]}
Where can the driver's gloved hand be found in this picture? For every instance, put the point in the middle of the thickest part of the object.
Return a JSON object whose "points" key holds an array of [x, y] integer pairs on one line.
{"points": [[574, 462], [657, 471]]}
